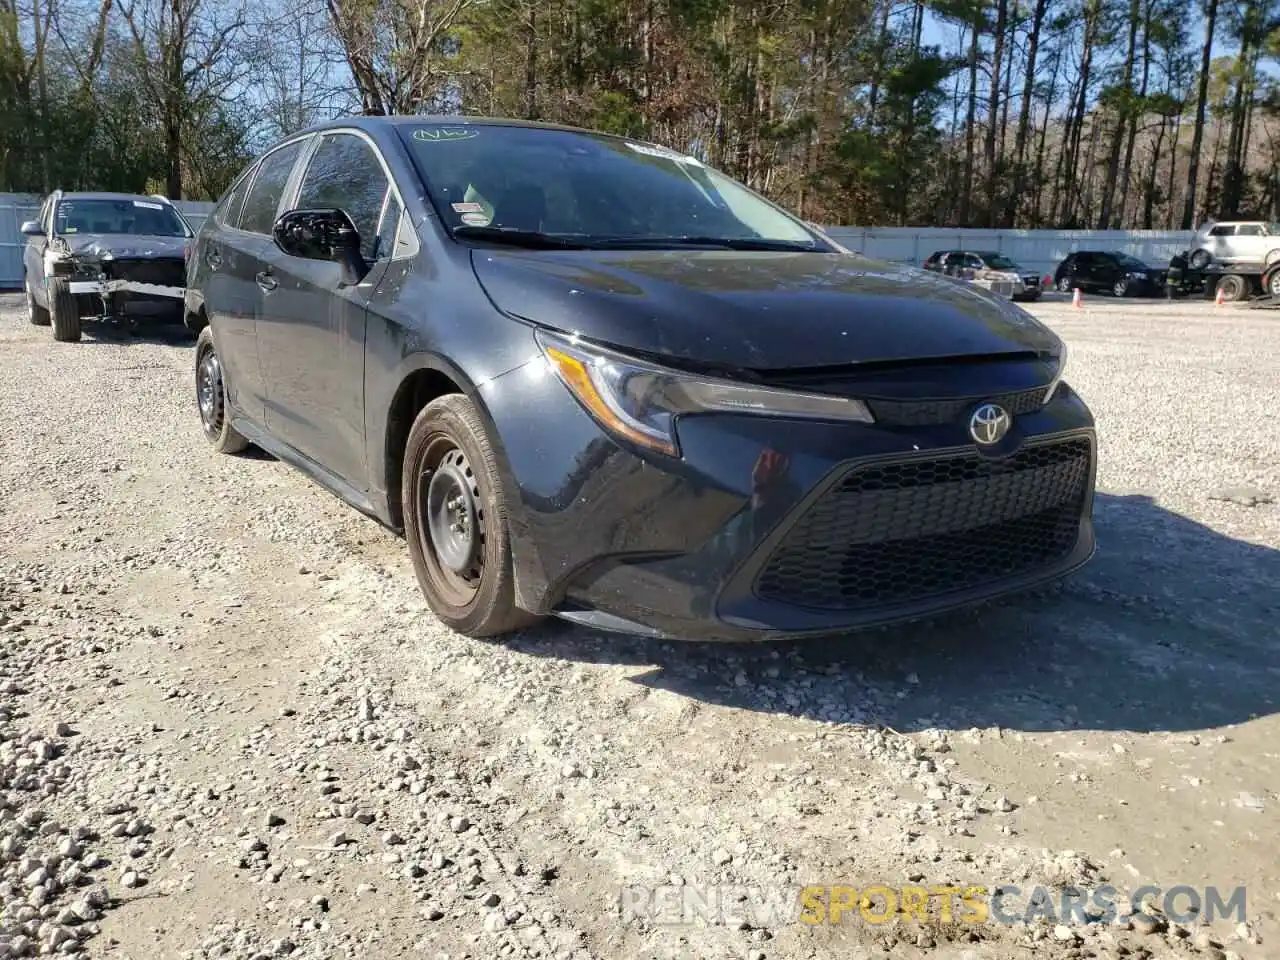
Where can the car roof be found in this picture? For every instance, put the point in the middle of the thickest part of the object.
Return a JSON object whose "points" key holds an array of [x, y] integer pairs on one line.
{"points": [[106, 195], [368, 123]]}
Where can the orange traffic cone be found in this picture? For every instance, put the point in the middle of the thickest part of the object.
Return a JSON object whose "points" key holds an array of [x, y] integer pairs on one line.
{"points": [[1077, 301], [1220, 299]]}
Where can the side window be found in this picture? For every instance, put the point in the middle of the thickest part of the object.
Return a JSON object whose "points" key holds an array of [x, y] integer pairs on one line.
{"points": [[973, 262], [1249, 230], [228, 212], [389, 229], [260, 205], [1222, 231], [345, 173]]}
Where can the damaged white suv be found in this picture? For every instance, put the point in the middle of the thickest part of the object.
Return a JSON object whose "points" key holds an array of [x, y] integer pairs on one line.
{"points": [[104, 256], [1236, 243]]}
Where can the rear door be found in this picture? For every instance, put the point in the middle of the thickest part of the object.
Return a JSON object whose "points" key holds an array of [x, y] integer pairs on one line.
{"points": [[236, 255], [312, 337], [1248, 243]]}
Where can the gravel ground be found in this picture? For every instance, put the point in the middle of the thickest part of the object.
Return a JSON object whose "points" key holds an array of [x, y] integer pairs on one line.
{"points": [[230, 727]]}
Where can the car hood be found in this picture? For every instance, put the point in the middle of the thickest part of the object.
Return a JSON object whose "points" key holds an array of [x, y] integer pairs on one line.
{"points": [[757, 310], [119, 245]]}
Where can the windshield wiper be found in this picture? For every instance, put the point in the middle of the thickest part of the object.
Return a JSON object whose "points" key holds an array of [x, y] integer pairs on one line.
{"points": [[520, 238], [728, 243]]}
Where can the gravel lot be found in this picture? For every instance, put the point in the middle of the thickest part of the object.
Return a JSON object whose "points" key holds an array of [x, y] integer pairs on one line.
{"points": [[230, 727]]}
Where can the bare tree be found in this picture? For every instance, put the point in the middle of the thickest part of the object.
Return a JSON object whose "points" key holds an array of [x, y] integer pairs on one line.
{"points": [[393, 47], [186, 56]]}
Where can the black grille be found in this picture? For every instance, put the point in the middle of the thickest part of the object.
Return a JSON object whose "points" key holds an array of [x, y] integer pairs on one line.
{"points": [[923, 413], [162, 271], [893, 533]]}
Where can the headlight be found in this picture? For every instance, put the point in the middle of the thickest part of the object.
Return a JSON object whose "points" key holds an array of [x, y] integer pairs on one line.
{"points": [[76, 269], [1135, 275], [1057, 374], [641, 401]]}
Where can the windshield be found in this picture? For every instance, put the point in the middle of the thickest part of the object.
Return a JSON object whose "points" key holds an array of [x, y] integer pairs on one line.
{"points": [[995, 261], [148, 218], [588, 188]]}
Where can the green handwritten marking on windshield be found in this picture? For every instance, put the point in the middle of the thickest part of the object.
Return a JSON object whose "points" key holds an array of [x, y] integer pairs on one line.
{"points": [[436, 134]]}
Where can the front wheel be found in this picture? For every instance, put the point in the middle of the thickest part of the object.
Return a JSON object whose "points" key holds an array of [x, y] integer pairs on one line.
{"points": [[1120, 288], [65, 311], [455, 518], [1271, 281], [211, 398], [1064, 284]]}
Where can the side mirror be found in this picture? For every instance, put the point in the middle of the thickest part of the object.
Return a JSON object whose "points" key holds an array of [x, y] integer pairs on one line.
{"points": [[32, 228], [322, 235]]}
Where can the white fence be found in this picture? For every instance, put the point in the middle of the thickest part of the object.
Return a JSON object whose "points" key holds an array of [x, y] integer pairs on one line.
{"points": [[1039, 250], [17, 207]]}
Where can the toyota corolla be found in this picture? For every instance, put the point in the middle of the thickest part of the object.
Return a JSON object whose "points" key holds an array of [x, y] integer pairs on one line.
{"points": [[591, 377]]}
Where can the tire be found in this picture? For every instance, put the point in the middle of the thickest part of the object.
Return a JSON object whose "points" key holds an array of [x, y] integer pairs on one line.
{"points": [[211, 398], [65, 311], [455, 518], [37, 315], [1271, 259], [1233, 287], [1064, 284], [1271, 281], [1199, 259], [1120, 288]]}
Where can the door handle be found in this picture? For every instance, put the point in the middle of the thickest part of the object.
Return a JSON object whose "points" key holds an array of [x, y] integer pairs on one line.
{"points": [[266, 281]]}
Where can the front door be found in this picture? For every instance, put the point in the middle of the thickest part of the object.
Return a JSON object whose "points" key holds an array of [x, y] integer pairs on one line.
{"points": [[311, 334]]}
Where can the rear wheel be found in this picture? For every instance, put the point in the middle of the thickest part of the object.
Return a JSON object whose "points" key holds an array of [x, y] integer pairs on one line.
{"points": [[1232, 287], [1064, 284], [455, 517], [211, 398], [65, 310], [37, 315], [1200, 259]]}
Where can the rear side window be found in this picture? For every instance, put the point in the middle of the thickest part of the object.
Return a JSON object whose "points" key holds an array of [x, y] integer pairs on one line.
{"points": [[345, 173], [228, 212], [260, 205], [1222, 231]]}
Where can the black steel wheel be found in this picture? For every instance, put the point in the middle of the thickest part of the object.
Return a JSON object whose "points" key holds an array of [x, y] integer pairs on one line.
{"points": [[453, 534], [455, 519], [211, 398]]}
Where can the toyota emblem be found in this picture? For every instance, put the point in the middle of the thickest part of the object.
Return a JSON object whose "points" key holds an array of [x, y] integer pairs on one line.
{"points": [[989, 423]]}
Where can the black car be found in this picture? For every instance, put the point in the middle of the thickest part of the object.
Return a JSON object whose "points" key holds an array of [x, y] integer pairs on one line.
{"points": [[986, 265], [592, 377], [1117, 273], [104, 256]]}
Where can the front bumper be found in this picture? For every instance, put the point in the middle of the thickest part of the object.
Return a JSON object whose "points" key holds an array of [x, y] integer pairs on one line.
{"points": [[107, 287], [695, 549]]}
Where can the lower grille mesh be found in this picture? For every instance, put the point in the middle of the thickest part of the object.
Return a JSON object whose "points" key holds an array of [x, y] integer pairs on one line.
{"points": [[892, 533], [162, 271]]}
